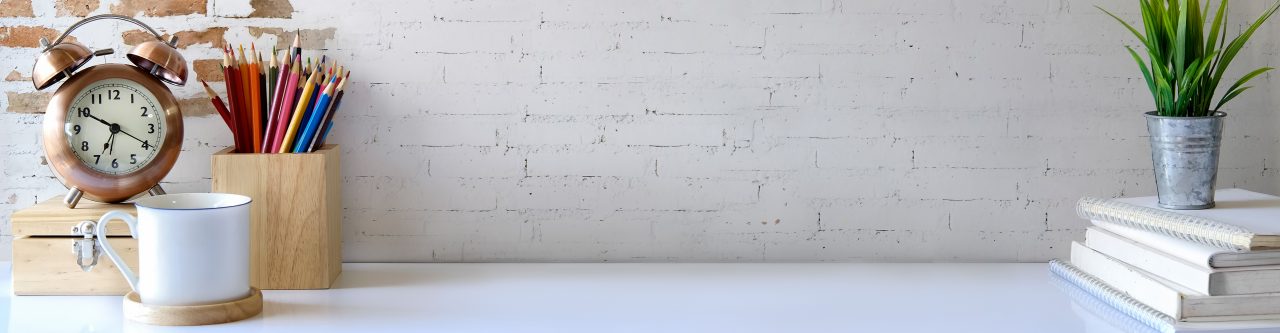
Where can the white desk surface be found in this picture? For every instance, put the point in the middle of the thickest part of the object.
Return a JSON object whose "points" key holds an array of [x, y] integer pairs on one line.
{"points": [[820, 297]]}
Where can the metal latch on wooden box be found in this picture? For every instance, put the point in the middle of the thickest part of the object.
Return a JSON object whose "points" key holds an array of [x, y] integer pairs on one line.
{"points": [[86, 249]]}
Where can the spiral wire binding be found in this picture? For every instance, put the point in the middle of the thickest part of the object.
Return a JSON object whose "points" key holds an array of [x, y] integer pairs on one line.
{"points": [[1181, 226], [1099, 308], [1120, 301]]}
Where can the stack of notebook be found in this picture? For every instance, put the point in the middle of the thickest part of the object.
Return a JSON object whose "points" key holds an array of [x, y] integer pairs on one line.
{"points": [[1165, 267]]}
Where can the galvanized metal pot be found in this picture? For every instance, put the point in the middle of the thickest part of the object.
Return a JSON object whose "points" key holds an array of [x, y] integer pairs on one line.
{"points": [[1184, 151]]}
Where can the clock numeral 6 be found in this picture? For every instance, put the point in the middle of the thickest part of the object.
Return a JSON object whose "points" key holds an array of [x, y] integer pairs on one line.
{"points": [[84, 145], [115, 164]]}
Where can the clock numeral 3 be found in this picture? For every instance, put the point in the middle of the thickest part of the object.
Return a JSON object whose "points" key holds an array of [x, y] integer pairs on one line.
{"points": [[151, 128]]}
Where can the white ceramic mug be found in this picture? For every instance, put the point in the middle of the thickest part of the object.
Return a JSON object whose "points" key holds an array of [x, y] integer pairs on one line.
{"points": [[193, 247]]}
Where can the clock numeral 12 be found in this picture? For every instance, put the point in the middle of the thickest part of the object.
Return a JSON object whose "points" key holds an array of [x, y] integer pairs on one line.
{"points": [[113, 94]]}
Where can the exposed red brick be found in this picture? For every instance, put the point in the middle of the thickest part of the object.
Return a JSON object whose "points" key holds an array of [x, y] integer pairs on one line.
{"points": [[76, 7], [211, 36], [208, 69], [25, 36], [311, 38], [29, 102], [196, 107], [15, 76], [271, 8], [16, 8], [159, 8]]}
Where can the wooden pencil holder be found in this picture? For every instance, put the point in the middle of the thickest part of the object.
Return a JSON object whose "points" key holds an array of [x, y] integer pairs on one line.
{"points": [[296, 215]]}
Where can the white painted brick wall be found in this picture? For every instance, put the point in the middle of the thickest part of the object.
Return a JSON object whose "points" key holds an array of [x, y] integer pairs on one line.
{"points": [[721, 130]]}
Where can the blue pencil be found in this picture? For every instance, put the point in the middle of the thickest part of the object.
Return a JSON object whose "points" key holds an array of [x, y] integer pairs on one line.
{"points": [[313, 122]]}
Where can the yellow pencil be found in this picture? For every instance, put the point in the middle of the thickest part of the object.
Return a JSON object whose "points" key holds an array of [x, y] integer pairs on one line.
{"points": [[303, 100]]}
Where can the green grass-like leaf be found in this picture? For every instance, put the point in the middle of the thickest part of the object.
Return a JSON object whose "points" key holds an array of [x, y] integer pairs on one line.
{"points": [[1184, 67]]}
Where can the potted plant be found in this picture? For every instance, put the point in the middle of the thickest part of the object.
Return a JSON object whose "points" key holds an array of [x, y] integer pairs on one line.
{"points": [[1182, 69]]}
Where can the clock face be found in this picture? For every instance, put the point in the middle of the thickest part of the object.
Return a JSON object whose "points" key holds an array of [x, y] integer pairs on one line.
{"points": [[114, 126]]}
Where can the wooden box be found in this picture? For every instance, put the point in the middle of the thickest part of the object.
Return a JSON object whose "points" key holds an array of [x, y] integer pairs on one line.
{"points": [[296, 215], [44, 261]]}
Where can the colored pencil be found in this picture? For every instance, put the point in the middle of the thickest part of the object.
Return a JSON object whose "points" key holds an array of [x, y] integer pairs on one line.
{"points": [[328, 122], [227, 80], [218, 105], [237, 107], [297, 44], [327, 119], [298, 112], [277, 96], [279, 77], [309, 129], [255, 100], [287, 104]]}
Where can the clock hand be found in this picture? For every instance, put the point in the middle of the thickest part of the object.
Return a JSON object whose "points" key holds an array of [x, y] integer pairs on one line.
{"points": [[104, 122], [110, 138], [112, 143], [134, 137]]}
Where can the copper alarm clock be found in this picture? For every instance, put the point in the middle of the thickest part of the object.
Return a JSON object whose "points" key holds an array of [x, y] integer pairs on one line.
{"points": [[111, 131]]}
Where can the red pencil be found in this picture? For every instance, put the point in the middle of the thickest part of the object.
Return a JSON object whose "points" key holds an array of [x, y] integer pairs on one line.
{"points": [[230, 80], [218, 105], [282, 78], [286, 103]]}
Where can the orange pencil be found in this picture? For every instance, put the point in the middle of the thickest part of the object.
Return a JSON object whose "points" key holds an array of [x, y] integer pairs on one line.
{"points": [[298, 112], [255, 101]]}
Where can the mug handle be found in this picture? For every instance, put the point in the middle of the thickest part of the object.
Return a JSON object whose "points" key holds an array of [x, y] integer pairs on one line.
{"points": [[101, 232]]}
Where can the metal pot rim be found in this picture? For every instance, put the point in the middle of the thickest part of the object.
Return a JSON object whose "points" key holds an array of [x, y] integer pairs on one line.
{"points": [[1216, 114]]}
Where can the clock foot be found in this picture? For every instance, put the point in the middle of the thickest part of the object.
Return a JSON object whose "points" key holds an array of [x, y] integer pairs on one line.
{"points": [[156, 190], [73, 197]]}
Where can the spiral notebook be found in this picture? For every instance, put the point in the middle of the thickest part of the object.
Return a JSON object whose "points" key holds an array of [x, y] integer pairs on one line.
{"points": [[1242, 221], [1117, 309]]}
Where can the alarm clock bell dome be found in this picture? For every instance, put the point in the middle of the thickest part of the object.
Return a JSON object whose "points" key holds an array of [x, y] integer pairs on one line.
{"points": [[162, 60], [54, 64]]}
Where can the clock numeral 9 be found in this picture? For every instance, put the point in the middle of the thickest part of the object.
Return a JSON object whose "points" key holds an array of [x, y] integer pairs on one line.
{"points": [[76, 128], [83, 112], [144, 111]]}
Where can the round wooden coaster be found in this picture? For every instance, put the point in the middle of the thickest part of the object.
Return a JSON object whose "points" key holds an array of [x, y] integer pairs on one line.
{"points": [[193, 315]]}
